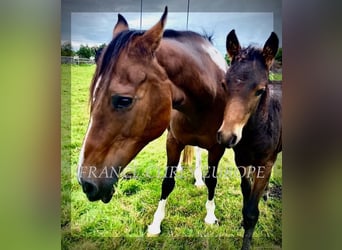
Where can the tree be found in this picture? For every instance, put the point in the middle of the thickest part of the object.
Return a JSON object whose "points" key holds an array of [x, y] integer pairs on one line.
{"points": [[279, 55], [227, 59], [85, 51], [66, 49], [102, 46]]}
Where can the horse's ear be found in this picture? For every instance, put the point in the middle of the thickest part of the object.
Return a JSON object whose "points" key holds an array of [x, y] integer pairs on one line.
{"points": [[151, 39], [270, 49], [121, 25], [232, 44]]}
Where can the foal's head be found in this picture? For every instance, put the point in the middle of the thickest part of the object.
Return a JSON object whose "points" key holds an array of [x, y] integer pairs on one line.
{"points": [[246, 84], [130, 105]]}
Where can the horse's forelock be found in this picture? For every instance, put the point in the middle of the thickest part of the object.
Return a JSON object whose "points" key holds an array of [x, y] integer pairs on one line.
{"points": [[112, 51], [115, 47]]}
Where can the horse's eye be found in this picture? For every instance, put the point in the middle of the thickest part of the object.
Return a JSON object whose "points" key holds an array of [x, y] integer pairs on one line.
{"points": [[121, 102], [259, 92]]}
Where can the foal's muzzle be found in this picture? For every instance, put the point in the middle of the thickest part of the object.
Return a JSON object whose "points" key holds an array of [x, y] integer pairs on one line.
{"points": [[229, 141]]}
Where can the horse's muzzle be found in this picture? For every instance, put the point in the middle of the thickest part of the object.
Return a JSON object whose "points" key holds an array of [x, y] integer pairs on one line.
{"points": [[94, 193]]}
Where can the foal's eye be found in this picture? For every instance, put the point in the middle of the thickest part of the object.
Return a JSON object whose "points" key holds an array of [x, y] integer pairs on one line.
{"points": [[121, 102], [259, 92]]}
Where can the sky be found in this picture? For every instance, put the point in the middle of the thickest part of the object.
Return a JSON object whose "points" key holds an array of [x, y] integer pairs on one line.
{"points": [[96, 28], [90, 22]]}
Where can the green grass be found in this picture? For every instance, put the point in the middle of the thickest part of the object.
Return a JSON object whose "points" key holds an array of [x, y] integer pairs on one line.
{"points": [[276, 76], [122, 223]]}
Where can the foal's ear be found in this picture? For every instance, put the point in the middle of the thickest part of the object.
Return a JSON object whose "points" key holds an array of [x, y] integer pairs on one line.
{"points": [[232, 44], [121, 25], [151, 39], [270, 49]]}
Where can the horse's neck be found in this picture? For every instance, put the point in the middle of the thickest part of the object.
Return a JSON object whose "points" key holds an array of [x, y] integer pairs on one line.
{"points": [[190, 70]]}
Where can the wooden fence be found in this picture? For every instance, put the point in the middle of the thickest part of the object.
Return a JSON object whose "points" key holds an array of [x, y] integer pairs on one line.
{"points": [[76, 60]]}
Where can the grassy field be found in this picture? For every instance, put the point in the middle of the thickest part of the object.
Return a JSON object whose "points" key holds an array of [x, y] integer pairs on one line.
{"points": [[122, 223], [276, 77]]}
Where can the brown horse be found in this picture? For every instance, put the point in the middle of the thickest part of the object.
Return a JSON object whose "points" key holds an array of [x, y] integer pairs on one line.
{"points": [[145, 83], [188, 151], [252, 122]]}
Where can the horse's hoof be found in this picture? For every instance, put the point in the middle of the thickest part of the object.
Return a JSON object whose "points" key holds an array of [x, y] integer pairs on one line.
{"points": [[200, 185], [216, 222], [150, 235], [153, 231], [211, 221]]}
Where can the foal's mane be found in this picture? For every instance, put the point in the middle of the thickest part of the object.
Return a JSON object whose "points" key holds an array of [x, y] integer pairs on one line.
{"points": [[119, 42]]}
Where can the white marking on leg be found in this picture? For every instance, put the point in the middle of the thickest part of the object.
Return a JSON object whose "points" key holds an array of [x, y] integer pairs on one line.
{"points": [[216, 57], [198, 170], [159, 215], [210, 218], [81, 156], [96, 87]]}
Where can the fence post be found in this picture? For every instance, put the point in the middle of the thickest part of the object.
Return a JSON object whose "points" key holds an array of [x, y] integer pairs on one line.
{"points": [[77, 59]]}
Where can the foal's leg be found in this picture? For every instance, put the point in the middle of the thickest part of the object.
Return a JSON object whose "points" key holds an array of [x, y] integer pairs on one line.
{"points": [[246, 184], [214, 156], [250, 210], [174, 149], [198, 170]]}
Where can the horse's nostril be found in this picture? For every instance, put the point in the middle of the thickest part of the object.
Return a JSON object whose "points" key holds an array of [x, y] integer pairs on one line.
{"points": [[232, 140], [89, 188]]}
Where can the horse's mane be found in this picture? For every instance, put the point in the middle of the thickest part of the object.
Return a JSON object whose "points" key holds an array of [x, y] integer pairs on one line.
{"points": [[169, 33], [98, 53], [114, 48]]}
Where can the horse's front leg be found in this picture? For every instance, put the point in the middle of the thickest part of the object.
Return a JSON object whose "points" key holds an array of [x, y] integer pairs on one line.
{"points": [[174, 149], [214, 156], [252, 192]]}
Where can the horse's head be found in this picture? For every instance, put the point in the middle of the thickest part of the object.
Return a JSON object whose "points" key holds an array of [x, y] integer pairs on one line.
{"points": [[246, 84], [130, 105]]}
